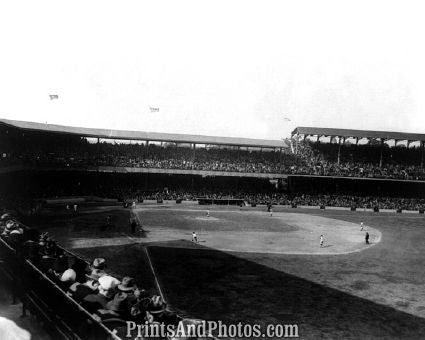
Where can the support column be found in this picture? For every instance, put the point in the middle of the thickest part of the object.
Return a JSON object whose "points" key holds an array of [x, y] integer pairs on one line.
{"points": [[422, 153], [296, 144], [280, 158], [382, 150], [339, 149]]}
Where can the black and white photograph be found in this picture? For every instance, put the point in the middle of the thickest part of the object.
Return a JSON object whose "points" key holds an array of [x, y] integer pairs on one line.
{"points": [[237, 169]]}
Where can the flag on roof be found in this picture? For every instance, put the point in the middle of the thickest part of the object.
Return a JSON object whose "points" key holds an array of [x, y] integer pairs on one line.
{"points": [[53, 96]]}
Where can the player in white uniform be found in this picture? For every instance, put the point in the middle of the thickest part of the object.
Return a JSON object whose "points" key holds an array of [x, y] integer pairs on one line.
{"points": [[194, 237], [361, 226], [322, 240], [208, 213]]}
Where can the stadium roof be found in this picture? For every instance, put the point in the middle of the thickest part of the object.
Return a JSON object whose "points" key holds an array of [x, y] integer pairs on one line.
{"points": [[348, 133], [142, 135]]}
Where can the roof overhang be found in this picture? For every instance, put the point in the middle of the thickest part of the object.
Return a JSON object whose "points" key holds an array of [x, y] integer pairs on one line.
{"points": [[142, 135], [349, 133]]}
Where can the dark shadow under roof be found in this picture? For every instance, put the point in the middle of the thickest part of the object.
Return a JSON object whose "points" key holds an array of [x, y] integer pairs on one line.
{"points": [[142, 135], [348, 133]]}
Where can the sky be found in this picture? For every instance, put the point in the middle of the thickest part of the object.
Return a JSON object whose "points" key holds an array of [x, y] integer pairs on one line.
{"points": [[254, 69]]}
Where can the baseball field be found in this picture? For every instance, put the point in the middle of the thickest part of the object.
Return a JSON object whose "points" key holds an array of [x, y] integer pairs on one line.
{"points": [[251, 266]]}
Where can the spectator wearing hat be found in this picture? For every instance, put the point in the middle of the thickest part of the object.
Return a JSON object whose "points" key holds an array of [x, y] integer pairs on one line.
{"points": [[108, 285], [59, 266], [15, 237], [139, 309], [68, 275], [67, 278], [157, 308], [128, 286], [94, 301], [106, 291], [119, 305], [95, 274], [98, 263], [79, 291]]}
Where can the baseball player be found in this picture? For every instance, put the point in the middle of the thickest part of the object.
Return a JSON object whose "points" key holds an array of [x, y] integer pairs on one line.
{"points": [[322, 240], [194, 237], [361, 226]]}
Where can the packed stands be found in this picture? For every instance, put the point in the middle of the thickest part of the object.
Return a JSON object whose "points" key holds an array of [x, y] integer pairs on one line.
{"points": [[72, 149], [78, 298], [343, 156], [27, 191], [362, 161], [93, 299]]}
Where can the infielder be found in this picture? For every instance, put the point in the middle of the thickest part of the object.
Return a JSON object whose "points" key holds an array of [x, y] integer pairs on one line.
{"points": [[194, 237], [322, 240]]}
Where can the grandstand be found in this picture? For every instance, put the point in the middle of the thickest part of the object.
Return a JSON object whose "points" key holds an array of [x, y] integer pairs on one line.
{"points": [[138, 151], [164, 182], [45, 146], [357, 135]]}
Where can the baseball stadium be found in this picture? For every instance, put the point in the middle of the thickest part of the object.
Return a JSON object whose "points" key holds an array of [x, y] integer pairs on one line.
{"points": [[322, 230]]}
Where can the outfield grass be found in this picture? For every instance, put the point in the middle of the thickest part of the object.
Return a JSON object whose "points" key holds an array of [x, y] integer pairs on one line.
{"points": [[375, 293]]}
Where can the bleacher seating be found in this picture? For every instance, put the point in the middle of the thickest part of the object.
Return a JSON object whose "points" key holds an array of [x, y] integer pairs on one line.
{"points": [[49, 281], [38, 150]]}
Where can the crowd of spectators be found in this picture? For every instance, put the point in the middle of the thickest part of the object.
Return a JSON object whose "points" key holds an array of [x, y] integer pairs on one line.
{"points": [[30, 202], [300, 199], [366, 202], [363, 161], [302, 158], [307, 159], [97, 289]]}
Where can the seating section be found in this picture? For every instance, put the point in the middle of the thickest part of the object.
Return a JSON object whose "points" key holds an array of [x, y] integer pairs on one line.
{"points": [[100, 295], [36, 149]]}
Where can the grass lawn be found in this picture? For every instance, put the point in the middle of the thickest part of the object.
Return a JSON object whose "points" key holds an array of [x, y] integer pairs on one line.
{"points": [[375, 293]]}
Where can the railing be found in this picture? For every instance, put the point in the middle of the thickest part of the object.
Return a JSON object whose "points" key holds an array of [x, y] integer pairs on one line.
{"points": [[63, 316]]}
